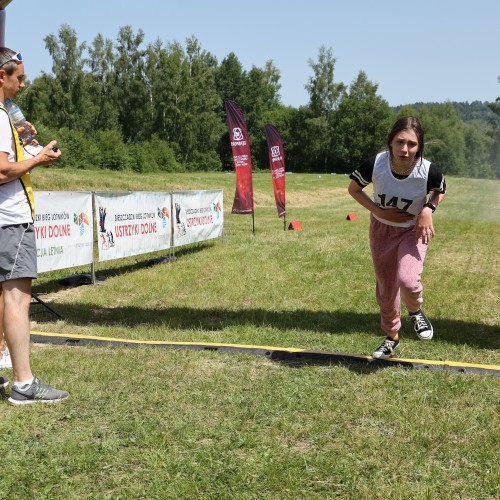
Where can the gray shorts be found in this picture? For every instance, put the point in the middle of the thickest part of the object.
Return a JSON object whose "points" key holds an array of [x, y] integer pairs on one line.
{"points": [[17, 252]]}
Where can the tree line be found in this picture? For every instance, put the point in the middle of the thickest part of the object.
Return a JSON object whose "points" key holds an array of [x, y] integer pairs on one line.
{"points": [[120, 105]]}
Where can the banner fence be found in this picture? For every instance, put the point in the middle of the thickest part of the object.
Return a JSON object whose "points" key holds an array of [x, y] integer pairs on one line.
{"points": [[126, 224], [132, 223], [64, 229], [198, 216]]}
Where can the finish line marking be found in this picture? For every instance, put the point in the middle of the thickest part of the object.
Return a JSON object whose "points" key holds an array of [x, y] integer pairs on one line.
{"points": [[270, 352]]}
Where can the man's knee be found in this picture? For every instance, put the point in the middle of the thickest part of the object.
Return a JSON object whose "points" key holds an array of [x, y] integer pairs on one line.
{"points": [[17, 292]]}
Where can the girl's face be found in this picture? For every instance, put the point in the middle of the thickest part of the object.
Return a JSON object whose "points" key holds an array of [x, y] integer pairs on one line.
{"points": [[404, 147]]}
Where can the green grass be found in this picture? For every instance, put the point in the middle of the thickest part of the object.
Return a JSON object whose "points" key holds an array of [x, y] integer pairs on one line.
{"points": [[158, 423]]}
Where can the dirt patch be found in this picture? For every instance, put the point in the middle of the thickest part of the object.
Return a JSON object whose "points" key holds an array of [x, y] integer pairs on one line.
{"points": [[60, 295], [320, 197], [303, 198]]}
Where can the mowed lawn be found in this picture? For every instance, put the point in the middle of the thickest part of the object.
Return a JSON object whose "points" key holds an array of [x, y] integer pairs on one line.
{"points": [[162, 423]]}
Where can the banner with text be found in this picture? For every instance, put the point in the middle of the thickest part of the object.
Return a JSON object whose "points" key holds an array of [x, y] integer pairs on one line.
{"points": [[199, 216], [240, 147], [64, 229], [132, 223], [277, 165]]}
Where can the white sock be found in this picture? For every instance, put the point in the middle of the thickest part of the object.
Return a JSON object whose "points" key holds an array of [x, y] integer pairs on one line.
{"points": [[22, 386]]}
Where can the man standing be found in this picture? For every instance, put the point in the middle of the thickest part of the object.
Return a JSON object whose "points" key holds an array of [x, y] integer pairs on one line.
{"points": [[17, 238]]}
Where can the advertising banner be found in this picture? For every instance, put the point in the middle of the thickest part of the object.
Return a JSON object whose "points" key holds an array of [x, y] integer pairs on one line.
{"points": [[132, 223], [240, 147], [64, 229], [277, 166], [199, 216]]}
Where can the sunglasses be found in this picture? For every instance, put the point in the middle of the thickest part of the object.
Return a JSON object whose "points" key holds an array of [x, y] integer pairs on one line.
{"points": [[17, 57]]}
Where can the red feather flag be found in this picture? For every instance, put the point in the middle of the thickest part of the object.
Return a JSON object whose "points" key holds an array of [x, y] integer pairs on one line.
{"points": [[240, 147], [277, 166]]}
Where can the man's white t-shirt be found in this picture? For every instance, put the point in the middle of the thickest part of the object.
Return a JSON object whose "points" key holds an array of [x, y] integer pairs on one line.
{"points": [[14, 205]]}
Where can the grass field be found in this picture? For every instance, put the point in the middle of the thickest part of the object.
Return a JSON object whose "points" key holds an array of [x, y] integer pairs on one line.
{"points": [[157, 423]]}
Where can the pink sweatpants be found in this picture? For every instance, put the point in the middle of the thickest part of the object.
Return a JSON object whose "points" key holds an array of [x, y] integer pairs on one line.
{"points": [[399, 261]]}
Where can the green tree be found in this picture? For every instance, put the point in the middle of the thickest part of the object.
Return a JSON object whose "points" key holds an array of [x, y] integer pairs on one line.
{"points": [[113, 154], [199, 119], [360, 125], [316, 135], [302, 138], [324, 97], [445, 138], [324, 93], [37, 100], [164, 79], [407, 110], [133, 102], [153, 155], [80, 150], [68, 89], [478, 146], [261, 94], [104, 105], [121, 106], [230, 79]]}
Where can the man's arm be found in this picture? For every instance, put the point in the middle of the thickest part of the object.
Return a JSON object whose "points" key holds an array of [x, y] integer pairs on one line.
{"points": [[14, 170]]}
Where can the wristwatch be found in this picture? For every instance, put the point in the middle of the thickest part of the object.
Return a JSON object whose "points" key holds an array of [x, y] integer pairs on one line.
{"points": [[431, 206]]}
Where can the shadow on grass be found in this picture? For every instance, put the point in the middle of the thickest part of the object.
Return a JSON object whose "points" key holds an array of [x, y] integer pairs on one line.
{"points": [[361, 367], [325, 322], [54, 285]]}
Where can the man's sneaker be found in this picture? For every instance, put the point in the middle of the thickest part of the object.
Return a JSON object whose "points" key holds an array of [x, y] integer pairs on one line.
{"points": [[37, 392], [4, 382], [422, 325], [5, 361], [386, 348]]}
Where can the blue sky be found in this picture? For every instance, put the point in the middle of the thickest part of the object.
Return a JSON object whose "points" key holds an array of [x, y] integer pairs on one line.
{"points": [[427, 50]]}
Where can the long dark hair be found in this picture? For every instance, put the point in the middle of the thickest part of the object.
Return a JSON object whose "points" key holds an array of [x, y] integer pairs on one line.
{"points": [[408, 123]]}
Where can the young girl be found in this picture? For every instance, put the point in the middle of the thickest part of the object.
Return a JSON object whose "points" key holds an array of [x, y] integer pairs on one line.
{"points": [[400, 226]]}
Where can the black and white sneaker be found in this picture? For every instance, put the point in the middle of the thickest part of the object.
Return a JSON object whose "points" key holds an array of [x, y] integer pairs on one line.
{"points": [[386, 349], [4, 382], [422, 325]]}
